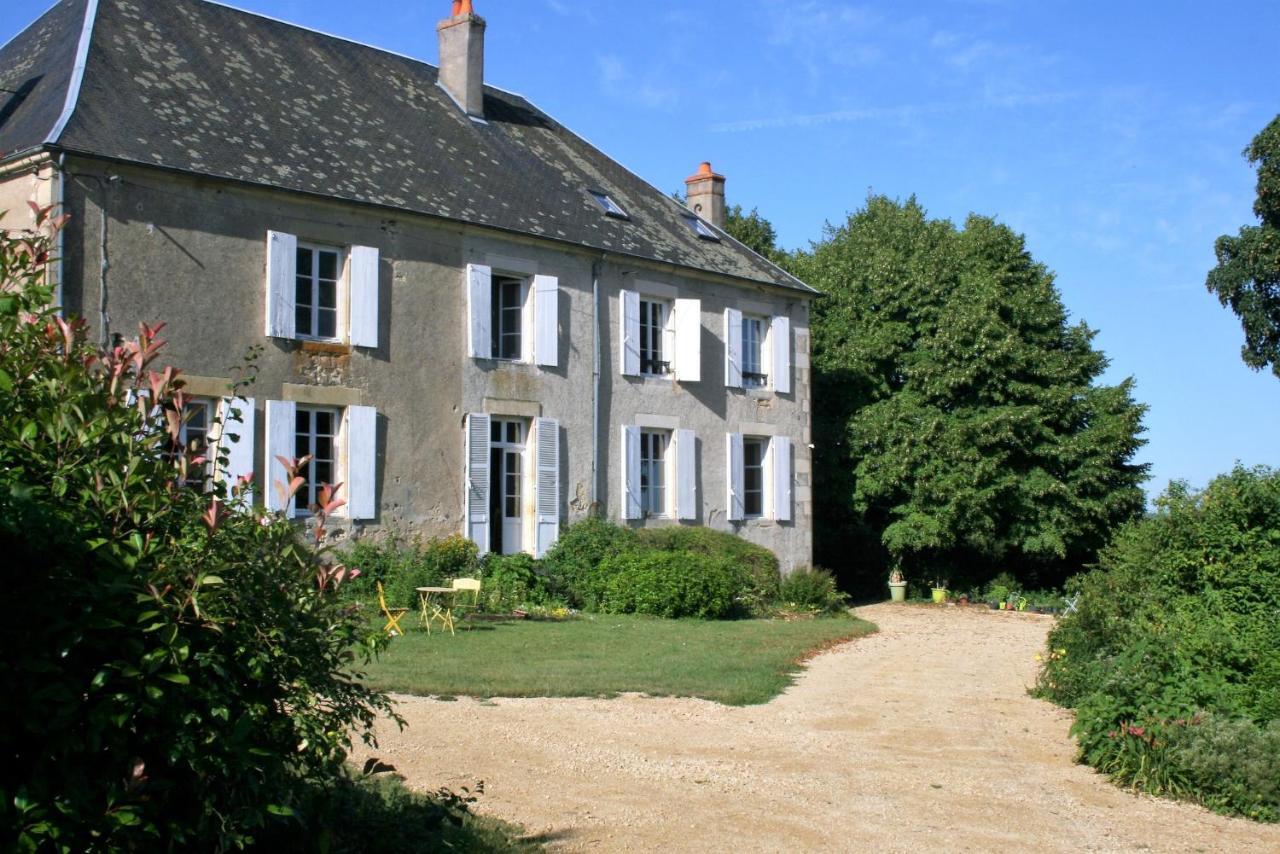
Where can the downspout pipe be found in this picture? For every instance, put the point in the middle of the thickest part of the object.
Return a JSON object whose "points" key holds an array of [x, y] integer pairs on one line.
{"points": [[596, 268], [60, 208]]}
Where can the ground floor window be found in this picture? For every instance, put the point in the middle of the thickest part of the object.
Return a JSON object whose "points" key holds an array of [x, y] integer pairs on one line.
{"points": [[653, 474], [753, 457], [507, 447], [315, 436]]}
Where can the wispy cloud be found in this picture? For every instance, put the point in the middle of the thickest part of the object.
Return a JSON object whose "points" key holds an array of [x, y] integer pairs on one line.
{"points": [[618, 81], [900, 113]]}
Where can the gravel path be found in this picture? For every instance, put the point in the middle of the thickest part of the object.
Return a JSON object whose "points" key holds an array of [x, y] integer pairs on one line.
{"points": [[919, 738]]}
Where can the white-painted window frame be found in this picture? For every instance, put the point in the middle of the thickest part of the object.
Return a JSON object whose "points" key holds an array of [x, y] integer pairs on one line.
{"points": [[755, 352], [662, 469], [764, 443], [341, 293], [662, 333], [338, 464]]}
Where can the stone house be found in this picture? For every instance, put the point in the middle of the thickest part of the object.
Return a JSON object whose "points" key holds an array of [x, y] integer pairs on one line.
{"points": [[464, 312]]}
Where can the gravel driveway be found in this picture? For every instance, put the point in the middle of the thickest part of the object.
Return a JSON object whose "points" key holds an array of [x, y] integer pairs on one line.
{"points": [[919, 738]]}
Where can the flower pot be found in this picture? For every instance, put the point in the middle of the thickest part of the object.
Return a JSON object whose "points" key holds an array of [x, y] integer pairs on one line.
{"points": [[898, 591], [939, 595]]}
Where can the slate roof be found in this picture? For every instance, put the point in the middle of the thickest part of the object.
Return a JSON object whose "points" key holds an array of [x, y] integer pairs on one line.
{"points": [[203, 88]]}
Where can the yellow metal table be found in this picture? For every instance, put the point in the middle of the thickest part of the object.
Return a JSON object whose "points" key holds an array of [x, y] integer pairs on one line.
{"points": [[436, 606]]}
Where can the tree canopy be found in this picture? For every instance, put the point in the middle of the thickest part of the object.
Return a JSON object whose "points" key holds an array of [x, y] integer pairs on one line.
{"points": [[755, 232], [957, 418], [1247, 277]]}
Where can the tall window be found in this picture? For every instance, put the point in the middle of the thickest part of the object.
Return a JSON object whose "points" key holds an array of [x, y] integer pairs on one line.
{"points": [[753, 375], [193, 438], [508, 318], [653, 479], [316, 297], [653, 328], [316, 434], [753, 452]]}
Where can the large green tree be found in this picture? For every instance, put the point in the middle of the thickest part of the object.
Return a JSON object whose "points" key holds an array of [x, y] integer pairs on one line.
{"points": [[754, 231], [958, 422], [1247, 277]]}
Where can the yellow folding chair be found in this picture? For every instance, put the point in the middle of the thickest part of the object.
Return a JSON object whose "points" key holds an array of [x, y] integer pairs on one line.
{"points": [[462, 586], [393, 615]]}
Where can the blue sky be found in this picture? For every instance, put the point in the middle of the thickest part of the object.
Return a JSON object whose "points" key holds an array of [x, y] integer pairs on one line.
{"points": [[1107, 132]]}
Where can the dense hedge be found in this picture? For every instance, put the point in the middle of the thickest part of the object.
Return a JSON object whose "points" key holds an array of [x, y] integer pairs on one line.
{"points": [[671, 584], [1172, 658], [402, 567]]}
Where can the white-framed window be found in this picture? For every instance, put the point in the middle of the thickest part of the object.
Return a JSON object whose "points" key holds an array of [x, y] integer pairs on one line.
{"points": [[655, 332], [318, 292], [512, 317], [512, 477], [759, 477], [754, 450], [315, 301], [659, 473], [660, 336], [508, 320], [316, 435], [343, 444], [757, 353], [754, 374], [653, 472]]}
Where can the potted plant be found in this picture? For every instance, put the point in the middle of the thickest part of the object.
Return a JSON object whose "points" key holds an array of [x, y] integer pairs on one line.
{"points": [[897, 586], [940, 591]]}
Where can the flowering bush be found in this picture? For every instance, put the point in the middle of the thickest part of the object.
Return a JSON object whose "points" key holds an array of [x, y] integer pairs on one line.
{"points": [[1173, 653], [178, 672]]}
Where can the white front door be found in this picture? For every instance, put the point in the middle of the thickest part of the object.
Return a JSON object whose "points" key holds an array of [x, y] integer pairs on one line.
{"points": [[506, 497]]}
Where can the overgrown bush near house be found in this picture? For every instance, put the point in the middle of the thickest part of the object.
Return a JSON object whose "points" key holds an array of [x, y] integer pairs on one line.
{"points": [[178, 671], [811, 589], [576, 555], [671, 584], [1171, 656], [511, 581], [760, 563]]}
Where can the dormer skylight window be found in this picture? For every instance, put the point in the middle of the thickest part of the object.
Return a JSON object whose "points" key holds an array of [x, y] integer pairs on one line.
{"points": [[610, 207], [701, 228]]}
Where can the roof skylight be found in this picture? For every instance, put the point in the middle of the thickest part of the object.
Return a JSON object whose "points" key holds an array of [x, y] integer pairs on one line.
{"points": [[701, 228], [610, 207]]}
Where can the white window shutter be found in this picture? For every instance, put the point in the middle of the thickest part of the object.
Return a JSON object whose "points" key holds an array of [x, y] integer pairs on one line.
{"points": [[780, 450], [362, 462], [546, 317], [630, 472], [476, 483], [688, 350], [280, 432], [780, 343], [686, 475], [480, 313], [235, 439], [737, 488], [282, 274], [547, 448], [629, 303], [732, 348], [364, 296]]}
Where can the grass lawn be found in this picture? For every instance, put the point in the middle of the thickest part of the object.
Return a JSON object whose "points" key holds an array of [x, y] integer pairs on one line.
{"points": [[738, 662]]}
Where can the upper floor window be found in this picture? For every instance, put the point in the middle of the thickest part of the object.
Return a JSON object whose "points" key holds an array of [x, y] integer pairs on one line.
{"points": [[653, 472], [511, 317], [753, 351], [316, 294], [508, 318], [653, 333], [321, 293]]}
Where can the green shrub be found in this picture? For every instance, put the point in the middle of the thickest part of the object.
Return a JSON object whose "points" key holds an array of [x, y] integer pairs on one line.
{"points": [[1178, 620], [671, 584], [572, 562], [430, 564], [760, 563], [511, 581], [812, 589], [178, 670]]}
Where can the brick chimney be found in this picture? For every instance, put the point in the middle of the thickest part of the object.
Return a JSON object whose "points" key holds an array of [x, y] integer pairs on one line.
{"points": [[462, 57], [706, 195]]}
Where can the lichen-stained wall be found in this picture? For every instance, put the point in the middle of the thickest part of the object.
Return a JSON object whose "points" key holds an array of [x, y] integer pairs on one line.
{"points": [[29, 181], [192, 252]]}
